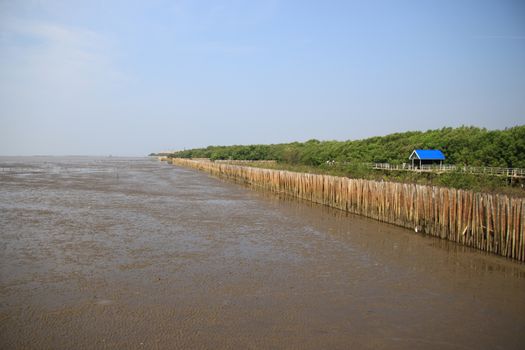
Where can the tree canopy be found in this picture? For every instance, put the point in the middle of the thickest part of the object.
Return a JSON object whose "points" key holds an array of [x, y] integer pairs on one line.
{"points": [[461, 146]]}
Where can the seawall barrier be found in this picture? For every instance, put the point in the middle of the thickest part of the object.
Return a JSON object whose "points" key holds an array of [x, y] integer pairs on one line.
{"points": [[489, 222]]}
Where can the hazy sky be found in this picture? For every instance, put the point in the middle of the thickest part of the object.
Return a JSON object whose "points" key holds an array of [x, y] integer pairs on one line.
{"points": [[132, 77]]}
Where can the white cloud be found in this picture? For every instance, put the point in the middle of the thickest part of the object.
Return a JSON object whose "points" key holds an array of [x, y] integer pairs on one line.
{"points": [[53, 33], [54, 55], [53, 78]]}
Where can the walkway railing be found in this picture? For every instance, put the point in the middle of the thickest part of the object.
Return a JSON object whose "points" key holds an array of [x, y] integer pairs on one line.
{"points": [[494, 171]]}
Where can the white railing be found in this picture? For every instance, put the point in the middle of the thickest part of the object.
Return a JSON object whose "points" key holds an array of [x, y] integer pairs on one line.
{"points": [[438, 168], [509, 172]]}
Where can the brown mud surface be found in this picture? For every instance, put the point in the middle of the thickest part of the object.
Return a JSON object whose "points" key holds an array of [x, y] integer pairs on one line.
{"points": [[100, 253]]}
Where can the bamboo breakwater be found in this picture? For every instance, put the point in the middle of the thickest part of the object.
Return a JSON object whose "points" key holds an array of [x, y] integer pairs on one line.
{"points": [[489, 222]]}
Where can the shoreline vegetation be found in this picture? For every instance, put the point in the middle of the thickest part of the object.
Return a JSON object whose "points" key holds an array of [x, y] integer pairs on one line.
{"points": [[481, 211], [490, 222], [463, 146], [454, 179]]}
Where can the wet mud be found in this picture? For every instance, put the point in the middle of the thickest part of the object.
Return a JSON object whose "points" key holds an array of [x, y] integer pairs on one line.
{"points": [[129, 253]]}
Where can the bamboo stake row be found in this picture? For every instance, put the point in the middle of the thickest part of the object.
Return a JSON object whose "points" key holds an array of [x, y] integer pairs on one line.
{"points": [[489, 222]]}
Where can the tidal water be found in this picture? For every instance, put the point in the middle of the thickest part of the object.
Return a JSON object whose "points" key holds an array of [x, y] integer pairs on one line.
{"points": [[130, 253]]}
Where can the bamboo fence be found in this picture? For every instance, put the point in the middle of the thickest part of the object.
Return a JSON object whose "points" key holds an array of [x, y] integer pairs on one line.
{"points": [[489, 222]]}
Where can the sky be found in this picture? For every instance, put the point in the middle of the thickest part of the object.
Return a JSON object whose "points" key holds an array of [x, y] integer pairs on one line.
{"points": [[133, 77]]}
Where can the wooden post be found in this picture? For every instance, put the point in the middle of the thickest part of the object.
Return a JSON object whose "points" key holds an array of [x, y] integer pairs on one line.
{"points": [[494, 223]]}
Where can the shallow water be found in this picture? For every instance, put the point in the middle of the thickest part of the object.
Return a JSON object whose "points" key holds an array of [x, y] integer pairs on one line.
{"points": [[137, 254]]}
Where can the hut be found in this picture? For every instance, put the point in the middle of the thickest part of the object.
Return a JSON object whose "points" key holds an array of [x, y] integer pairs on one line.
{"points": [[420, 157]]}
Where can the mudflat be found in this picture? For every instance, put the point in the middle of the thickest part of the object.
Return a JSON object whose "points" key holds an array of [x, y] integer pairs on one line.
{"points": [[131, 253]]}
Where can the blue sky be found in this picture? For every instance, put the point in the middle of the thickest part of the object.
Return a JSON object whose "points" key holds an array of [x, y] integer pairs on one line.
{"points": [[132, 77]]}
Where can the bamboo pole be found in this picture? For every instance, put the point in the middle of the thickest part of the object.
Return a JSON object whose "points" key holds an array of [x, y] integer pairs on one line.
{"points": [[493, 223]]}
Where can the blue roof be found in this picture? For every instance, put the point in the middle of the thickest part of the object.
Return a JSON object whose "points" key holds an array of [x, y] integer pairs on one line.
{"points": [[429, 154]]}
